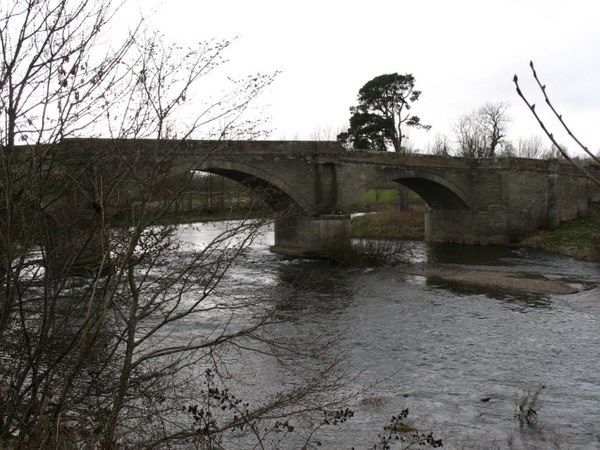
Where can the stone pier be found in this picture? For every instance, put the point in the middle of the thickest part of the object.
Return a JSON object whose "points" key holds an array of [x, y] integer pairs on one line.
{"points": [[310, 236], [466, 227]]}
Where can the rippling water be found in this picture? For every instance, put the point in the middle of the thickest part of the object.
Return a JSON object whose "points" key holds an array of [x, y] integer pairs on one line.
{"points": [[458, 357]]}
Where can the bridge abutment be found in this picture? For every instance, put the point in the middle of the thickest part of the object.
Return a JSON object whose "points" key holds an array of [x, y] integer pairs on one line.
{"points": [[307, 236]]}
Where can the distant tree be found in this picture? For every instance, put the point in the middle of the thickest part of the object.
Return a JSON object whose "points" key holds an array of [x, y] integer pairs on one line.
{"points": [[557, 152], [507, 148], [481, 133], [378, 121], [531, 147], [494, 119], [469, 137], [440, 145], [323, 133]]}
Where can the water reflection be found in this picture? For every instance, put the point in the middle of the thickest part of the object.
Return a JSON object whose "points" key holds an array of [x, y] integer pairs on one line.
{"points": [[475, 255], [517, 301], [311, 288]]}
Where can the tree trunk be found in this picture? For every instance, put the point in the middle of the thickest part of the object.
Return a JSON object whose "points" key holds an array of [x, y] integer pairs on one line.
{"points": [[403, 198]]}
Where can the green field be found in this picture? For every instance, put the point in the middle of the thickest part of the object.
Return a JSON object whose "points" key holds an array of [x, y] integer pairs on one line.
{"points": [[387, 196], [379, 196]]}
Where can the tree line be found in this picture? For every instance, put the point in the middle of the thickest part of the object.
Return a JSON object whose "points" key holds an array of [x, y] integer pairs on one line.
{"points": [[382, 117]]}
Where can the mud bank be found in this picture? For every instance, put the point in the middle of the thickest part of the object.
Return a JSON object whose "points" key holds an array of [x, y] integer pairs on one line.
{"points": [[511, 281]]}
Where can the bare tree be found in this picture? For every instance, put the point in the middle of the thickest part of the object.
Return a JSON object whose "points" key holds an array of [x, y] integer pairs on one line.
{"points": [[495, 119], [440, 145], [469, 137], [532, 147], [481, 133], [324, 133], [92, 291]]}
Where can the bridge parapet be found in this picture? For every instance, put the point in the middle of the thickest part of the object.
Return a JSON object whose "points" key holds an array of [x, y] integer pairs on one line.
{"points": [[198, 148]]}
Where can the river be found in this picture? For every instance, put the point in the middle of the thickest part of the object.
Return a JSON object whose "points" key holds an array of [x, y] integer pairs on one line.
{"points": [[458, 357]]}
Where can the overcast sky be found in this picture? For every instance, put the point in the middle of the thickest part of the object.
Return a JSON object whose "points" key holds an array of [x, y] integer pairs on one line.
{"points": [[462, 53]]}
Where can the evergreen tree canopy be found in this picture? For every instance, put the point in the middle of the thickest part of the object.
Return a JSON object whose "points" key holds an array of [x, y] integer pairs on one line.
{"points": [[376, 123]]}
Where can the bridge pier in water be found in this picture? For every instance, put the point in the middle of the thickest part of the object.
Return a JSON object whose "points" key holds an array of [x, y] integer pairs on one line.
{"points": [[74, 241], [76, 252], [467, 227], [306, 236]]}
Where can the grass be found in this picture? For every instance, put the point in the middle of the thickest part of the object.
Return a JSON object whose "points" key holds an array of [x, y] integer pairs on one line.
{"points": [[379, 196], [389, 224], [579, 238], [386, 196]]}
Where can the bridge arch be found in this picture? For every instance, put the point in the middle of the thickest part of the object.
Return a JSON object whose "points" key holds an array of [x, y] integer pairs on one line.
{"points": [[438, 192], [278, 194]]}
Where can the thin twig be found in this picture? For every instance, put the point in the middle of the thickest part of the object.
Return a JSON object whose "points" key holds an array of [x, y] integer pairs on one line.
{"points": [[551, 136], [559, 116]]}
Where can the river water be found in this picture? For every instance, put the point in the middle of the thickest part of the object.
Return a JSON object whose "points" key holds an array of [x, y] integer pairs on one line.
{"points": [[457, 357]]}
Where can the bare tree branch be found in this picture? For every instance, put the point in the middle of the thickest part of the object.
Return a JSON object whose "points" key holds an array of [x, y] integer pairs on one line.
{"points": [[94, 293], [559, 116], [550, 136]]}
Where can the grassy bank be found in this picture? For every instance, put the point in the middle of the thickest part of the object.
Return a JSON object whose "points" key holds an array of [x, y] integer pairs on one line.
{"points": [[578, 238], [389, 224]]}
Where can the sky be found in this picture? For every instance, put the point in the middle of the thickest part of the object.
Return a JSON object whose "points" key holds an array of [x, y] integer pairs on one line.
{"points": [[462, 54]]}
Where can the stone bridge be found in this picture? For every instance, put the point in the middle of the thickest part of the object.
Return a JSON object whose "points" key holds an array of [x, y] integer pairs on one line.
{"points": [[470, 201]]}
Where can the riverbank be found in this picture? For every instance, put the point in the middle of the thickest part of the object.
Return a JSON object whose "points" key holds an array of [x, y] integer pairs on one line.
{"points": [[579, 238], [390, 224]]}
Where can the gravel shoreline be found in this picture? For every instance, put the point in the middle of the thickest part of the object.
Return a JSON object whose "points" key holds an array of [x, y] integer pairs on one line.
{"points": [[505, 280]]}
